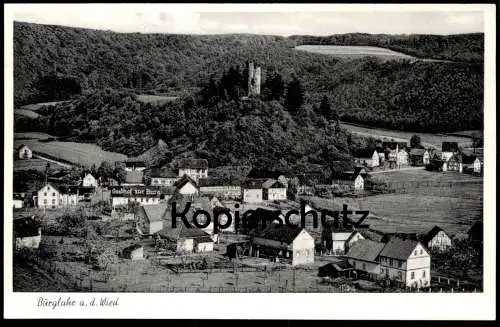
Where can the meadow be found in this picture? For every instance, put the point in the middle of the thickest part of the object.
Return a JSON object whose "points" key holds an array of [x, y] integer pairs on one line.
{"points": [[36, 164], [155, 99], [451, 200], [353, 51], [77, 153], [27, 113], [427, 139]]}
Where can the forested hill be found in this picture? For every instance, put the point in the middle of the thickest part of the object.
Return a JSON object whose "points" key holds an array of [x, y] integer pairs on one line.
{"points": [[55, 63], [459, 47]]}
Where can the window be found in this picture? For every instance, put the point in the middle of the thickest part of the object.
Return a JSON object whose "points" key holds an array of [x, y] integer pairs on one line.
{"points": [[400, 275], [44, 193], [53, 201], [423, 273], [415, 252], [54, 194], [412, 275], [390, 262], [400, 264], [354, 264], [364, 266], [421, 251], [45, 201]]}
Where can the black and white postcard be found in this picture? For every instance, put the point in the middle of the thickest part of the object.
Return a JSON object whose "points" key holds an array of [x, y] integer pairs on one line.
{"points": [[250, 161]]}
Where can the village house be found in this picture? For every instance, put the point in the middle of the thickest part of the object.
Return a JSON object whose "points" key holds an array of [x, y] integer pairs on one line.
{"points": [[407, 261], [252, 191], [187, 240], [290, 244], [149, 218], [89, 181], [436, 239], [436, 165], [24, 152], [448, 149], [453, 163], [187, 186], [367, 157], [219, 187], [353, 179], [50, 197], [396, 153], [144, 195], [475, 233], [163, 177], [134, 178], [133, 252], [419, 157], [273, 190], [471, 165], [338, 240], [27, 233], [135, 165], [18, 201], [363, 257], [336, 269], [194, 168]]}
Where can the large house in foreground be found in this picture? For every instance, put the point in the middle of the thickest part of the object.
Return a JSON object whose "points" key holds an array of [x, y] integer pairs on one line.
{"points": [[290, 244], [403, 260], [149, 218]]}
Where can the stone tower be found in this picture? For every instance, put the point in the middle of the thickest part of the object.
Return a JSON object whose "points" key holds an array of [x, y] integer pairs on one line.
{"points": [[253, 80]]}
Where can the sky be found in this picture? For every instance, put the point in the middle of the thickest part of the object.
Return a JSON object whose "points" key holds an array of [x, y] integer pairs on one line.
{"points": [[259, 19]]}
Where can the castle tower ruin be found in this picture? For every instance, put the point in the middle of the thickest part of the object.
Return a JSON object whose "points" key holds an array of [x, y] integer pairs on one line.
{"points": [[254, 74]]}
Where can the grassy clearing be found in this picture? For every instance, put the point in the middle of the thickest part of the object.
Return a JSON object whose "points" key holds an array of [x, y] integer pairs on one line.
{"points": [[37, 106], [418, 209], [27, 113], [78, 153], [430, 139], [36, 164], [155, 99], [353, 51], [32, 136]]}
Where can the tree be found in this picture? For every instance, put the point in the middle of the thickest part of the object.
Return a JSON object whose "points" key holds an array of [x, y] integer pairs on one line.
{"points": [[415, 141], [326, 110], [274, 87], [294, 96], [105, 171], [119, 172]]}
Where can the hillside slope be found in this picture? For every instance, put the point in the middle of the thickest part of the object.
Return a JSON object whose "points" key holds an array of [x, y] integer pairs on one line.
{"points": [[395, 94]]}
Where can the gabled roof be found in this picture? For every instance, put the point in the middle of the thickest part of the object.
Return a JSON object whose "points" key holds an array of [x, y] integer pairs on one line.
{"points": [[193, 163], [365, 250], [449, 147], [431, 234], [276, 232], [364, 153], [375, 235], [134, 177], [163, 173], [155, 212], [184, 180], [181, 231], [21, 146], [272, 183], [398, 248], [417, 152], [25, 227], [134, 163], [253, 183], [52, 186], [468, 159], [212, 181]]}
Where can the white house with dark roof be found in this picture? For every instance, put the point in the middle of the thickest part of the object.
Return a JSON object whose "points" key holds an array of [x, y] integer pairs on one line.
{"points": [[273, 190], [219, 187], [293, 244], [24, 152], [194, 168], [367, 157], [437, 239], [407, 261], [27, 233], [149, 218], [419, 157], [363, 256], [163, 177], [187, 186], [448, 149], [186, 239], [89, 181], [252, 191]]}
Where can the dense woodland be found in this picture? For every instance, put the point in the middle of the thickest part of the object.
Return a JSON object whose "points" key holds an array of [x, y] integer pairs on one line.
{"points": [[55, 62]]}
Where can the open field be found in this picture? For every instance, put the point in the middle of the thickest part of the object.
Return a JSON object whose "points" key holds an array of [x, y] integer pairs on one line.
{"points": [[37, 106], [32, 136], [76, 153], [155, 99], [427, 139], [353, 51], [26, 113], [451, 200], [36, 164]]}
